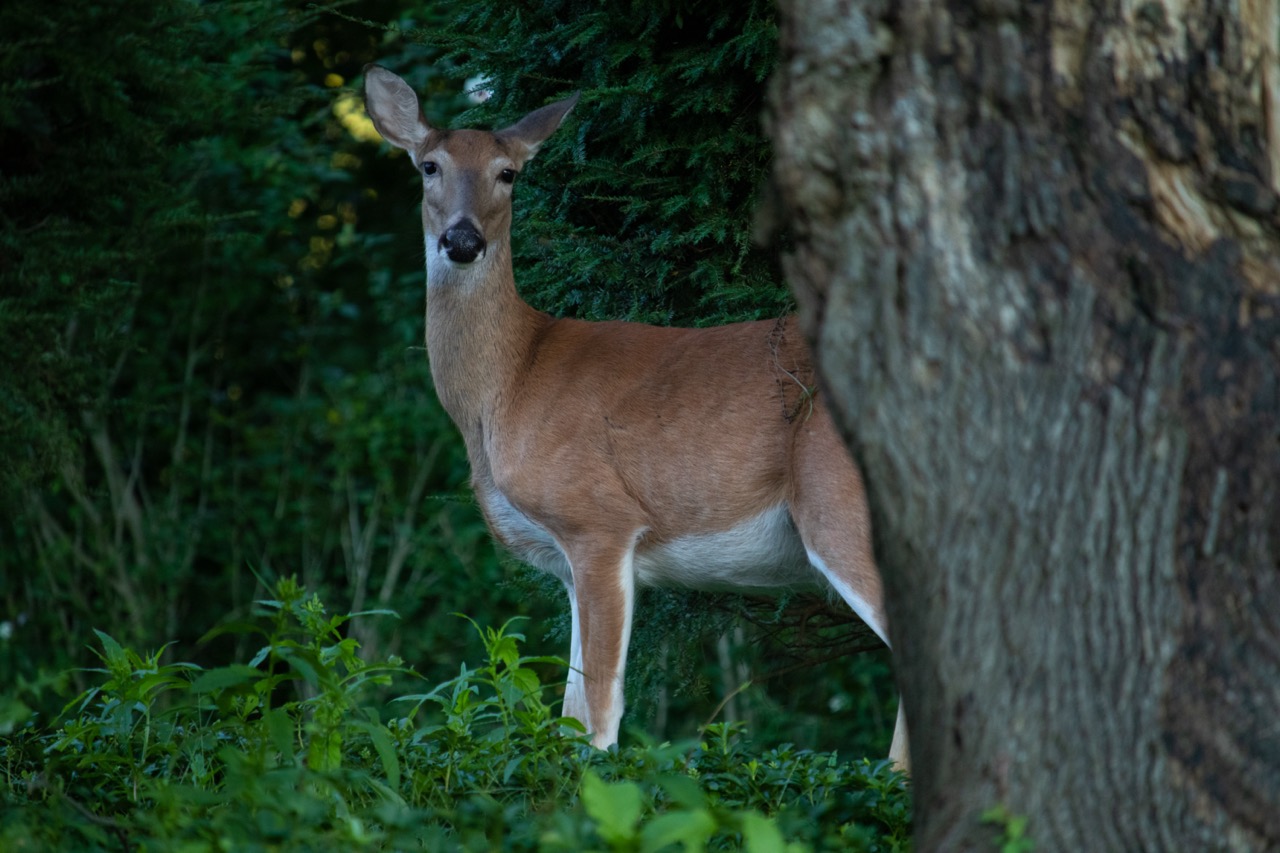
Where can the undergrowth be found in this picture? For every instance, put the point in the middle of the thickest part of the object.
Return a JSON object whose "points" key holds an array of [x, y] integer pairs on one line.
{"points": [[298, 748]]}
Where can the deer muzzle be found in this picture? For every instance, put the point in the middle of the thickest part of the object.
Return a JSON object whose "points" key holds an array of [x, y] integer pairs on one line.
{"points": [[462, 242]]}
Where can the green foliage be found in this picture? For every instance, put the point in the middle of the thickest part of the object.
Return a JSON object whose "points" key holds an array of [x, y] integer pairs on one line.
{"points": [[78, 239], [215, 362], [641, 206], [293, 749]]}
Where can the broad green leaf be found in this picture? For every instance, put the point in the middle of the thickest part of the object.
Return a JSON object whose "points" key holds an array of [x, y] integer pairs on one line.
{"points": [[280, 730], [260, 656], [761, 834], [506, 651], [13, 712], [158, 682], [225, 676], [690, 829], [386, 749], [614, 806], [115, 654], [683, 791], [526, 681], [303, 662]]}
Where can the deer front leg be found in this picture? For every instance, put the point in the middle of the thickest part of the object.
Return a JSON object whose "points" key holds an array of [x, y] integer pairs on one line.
{"points": [[575, 693], [603, 598]]}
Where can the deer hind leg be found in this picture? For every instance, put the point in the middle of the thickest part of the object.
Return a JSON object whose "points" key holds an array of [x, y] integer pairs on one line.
{"points": [[829, 506], [602, 598]]}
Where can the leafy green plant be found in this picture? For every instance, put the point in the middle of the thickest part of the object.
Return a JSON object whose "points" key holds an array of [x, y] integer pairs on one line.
{"points": [[494, 732], [294, 749]]}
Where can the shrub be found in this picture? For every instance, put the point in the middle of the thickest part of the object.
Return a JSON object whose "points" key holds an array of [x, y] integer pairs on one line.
{"points": [[291, 749]]}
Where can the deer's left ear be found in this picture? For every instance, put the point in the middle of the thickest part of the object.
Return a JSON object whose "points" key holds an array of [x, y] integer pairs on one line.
{"points": [[531, 131]]}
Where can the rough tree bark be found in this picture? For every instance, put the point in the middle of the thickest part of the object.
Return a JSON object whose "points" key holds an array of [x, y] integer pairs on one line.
{"points": [[1037, 247]]}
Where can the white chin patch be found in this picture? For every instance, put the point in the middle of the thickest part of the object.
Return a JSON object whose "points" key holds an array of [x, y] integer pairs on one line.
{"points": [[440, 268]]}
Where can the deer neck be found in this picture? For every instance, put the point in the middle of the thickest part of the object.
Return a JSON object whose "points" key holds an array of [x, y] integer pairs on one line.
{"points": [[480, 335]]}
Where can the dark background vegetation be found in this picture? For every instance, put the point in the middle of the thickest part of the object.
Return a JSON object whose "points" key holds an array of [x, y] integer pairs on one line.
{"points": [[211, 296]]}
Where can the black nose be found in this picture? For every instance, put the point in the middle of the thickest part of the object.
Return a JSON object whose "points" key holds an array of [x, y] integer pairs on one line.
{"points": [[462, 242]]}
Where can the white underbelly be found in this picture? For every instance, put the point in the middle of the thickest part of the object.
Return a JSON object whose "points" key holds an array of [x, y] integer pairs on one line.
{"points": [[764, 552]]}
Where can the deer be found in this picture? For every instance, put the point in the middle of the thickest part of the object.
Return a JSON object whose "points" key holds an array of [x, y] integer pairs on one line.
{"points": [[615, 454]]}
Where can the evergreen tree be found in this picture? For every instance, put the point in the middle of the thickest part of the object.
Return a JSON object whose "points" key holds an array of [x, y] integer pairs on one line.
{"points": [[98, 104], [642, 206]]}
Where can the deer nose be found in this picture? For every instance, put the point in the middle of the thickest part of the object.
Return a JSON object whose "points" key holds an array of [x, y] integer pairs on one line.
{"points": [[462, 242]]}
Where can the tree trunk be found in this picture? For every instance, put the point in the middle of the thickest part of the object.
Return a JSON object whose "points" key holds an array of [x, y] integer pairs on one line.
{"points": [[1037, 248]]}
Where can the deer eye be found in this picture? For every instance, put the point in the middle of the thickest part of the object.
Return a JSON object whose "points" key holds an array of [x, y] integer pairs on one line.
{"points": [[430, 168], [507, 176]]}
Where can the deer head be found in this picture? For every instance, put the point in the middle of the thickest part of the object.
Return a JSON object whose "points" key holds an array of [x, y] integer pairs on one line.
{"points": [[467, 175]]}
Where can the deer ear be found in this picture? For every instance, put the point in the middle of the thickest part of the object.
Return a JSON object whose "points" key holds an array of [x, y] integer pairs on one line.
{"points": [[531, 131], [393, 106]]}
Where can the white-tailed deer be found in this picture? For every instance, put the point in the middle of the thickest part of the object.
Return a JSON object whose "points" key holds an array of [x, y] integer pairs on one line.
{"points": [[611, 454]]}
